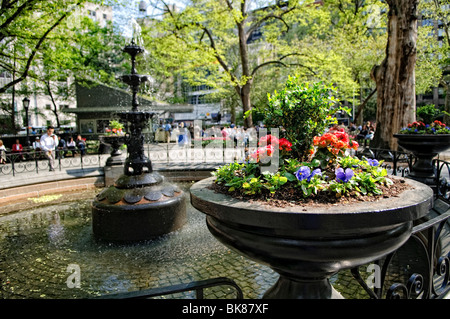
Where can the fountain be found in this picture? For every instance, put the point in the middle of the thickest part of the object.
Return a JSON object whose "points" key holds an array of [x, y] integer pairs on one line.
{"points": [[140, 205]]}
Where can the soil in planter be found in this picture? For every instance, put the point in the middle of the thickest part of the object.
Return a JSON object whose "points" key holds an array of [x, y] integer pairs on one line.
{"points": [[291, 196]]}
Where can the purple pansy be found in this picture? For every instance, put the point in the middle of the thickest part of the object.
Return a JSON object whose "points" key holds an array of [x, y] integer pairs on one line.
{"points": [[317, 171], [344, 176], [373, 162], [302, 173]]}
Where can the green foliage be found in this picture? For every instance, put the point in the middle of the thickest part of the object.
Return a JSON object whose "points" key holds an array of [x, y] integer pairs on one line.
{"points": [[245, 179], [303, 110], [428, 113], [274, 182], [28, 30]]}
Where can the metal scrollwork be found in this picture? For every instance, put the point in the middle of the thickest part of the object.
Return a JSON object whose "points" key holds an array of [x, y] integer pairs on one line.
{"points": [[415, 286], [397, 291], [442, 271]]}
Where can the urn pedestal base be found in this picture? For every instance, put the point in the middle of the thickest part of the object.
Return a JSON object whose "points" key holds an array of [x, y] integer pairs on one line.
{"points": [[289, 288], [424, 147]]}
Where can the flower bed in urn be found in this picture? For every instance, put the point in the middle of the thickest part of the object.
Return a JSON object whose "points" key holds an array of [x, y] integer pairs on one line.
{"points": [[314, 164]]}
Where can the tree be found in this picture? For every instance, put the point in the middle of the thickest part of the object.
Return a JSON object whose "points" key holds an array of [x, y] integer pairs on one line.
{"points": [[438, 53], [25, 25], [37, 43], [395, 76], [210, 41], [357, 30], [76, 53]]}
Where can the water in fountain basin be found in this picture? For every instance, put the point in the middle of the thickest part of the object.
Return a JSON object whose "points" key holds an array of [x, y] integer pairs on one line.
{"points": [[39, 246]]}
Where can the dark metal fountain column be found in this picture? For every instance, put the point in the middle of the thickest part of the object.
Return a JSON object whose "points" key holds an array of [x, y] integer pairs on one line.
{"points": [[137, 161], [140, 205]]}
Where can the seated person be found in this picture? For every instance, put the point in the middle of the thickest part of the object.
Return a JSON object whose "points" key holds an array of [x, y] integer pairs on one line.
{"points": [[2, 153], [37, 144], [81, 144], [369, 135], [62, 148], [362, 134], [72, 146], [17, 148]]}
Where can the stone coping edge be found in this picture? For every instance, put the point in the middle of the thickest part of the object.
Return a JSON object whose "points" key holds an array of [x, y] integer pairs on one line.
{"points": [[19, 193]]}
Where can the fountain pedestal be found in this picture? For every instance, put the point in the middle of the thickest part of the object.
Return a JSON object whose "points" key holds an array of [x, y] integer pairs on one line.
{"points": [[116, 158], [140, 205]]}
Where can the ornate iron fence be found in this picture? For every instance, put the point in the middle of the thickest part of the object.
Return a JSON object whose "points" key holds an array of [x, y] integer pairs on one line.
{"points": [[35, 161], [420, 268]]}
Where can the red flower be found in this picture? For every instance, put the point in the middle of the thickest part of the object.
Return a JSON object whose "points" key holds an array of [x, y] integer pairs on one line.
{"points": [[439, 123], [342, 136], [268, 139], [354, 145], [263, 152], [316, 140], [285, 145], [340, 144], [335, 141]]}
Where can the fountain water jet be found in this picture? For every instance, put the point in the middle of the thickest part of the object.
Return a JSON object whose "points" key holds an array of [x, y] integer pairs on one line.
{"points": [[140, 205]]}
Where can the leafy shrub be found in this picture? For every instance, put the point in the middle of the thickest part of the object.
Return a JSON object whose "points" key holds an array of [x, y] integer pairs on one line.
{"points": [[302, 110]]}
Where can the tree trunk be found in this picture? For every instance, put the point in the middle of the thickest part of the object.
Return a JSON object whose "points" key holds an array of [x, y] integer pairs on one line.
{"points": [[55, 107], [395, 77], [246, 103], [246, 75], [446, 86]]}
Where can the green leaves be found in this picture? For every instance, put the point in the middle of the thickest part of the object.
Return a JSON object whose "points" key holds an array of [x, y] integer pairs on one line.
{"points": [[304, 110], [246, 179]]}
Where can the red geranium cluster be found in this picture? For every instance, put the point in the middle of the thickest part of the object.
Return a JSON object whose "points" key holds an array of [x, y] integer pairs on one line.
{"points": [[439, 123], [267, 146], [421, 125], [335, 141], [283, 144], [114, 131], [417, 124]]}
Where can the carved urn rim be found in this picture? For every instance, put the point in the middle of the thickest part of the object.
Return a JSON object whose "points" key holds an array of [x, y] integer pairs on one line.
{"points": [[409, 205]]}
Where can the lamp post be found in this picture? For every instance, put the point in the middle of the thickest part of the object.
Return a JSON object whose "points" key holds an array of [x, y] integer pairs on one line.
{"points": [[26, 104]]}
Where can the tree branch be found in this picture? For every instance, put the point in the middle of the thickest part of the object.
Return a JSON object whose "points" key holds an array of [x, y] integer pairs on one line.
{"points": [[8, 21], [34, 51], [279, 61], [361, 106], [258, 23]]}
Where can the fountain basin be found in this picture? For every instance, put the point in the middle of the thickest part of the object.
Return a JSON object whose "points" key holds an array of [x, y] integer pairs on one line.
{"points": [[138, 208], [307, 245]]}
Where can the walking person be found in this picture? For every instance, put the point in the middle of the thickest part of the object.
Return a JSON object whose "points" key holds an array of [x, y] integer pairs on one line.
{"points": [[48, 146]]}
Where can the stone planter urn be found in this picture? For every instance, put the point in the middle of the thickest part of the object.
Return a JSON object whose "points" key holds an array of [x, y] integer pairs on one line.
{"points": [[115, 141], [307, 245], [425, 147]]}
